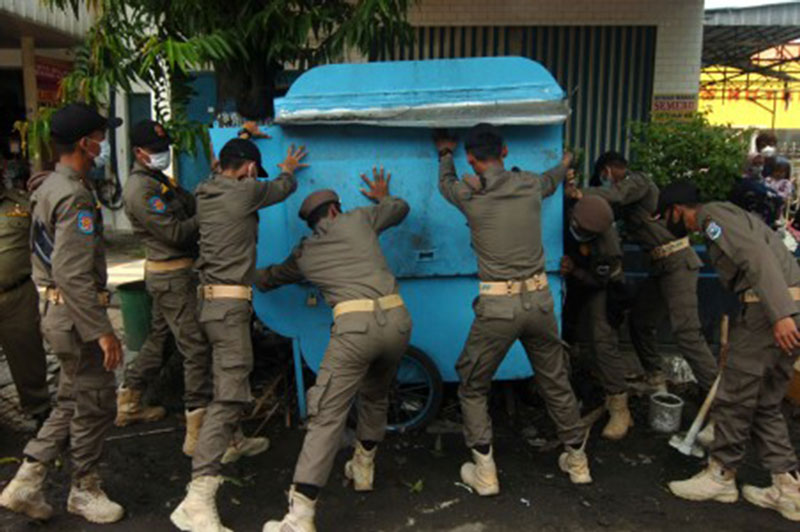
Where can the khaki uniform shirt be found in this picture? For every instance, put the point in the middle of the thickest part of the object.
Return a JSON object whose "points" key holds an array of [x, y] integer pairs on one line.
{"points": [[343, 256], [504, 217], [15, 232], [69, 252], [635, 199], [227, 212], [598, 261], [747, 254], [161, 214]]}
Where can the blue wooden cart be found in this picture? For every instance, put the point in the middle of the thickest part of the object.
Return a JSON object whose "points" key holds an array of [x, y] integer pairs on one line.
{"points": [[352, 117]]}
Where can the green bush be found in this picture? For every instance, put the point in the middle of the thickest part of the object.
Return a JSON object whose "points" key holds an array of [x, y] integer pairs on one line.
{"points": [[709, 155]]}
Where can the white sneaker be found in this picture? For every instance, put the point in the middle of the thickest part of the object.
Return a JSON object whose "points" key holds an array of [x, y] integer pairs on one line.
{"points": [[783, 496], [24, 493], [300, 517], [481, 473], [361, 468], [87, 499], [197, 512], [714, 483]]}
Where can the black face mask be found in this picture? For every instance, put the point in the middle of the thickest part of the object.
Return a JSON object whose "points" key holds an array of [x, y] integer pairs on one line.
{"points": [[677, 228]]}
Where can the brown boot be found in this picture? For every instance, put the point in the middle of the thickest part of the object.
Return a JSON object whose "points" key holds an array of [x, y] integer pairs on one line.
{"points": [[714, 483], [194, 422], [620, 419], [130, 409], [783, 496]]}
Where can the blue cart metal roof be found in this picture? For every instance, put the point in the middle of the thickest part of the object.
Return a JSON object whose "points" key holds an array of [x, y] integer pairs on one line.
{"points": [[504, 91]]}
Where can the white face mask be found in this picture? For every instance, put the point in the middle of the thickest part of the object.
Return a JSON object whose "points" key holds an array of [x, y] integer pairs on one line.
{"points": [[102, 158], [159, 161], [769, 151]]}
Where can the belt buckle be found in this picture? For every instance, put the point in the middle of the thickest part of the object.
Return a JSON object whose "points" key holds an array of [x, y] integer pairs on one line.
{"points": [[509, 288]]}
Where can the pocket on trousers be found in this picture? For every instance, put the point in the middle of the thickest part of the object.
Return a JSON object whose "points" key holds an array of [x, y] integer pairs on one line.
{"points": [[317, 392], [495, 308], [62, 341], [355, 322]]}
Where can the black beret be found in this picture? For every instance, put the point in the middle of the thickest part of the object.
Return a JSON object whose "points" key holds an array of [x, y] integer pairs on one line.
{"points": [[77, 120], [150, 135]]}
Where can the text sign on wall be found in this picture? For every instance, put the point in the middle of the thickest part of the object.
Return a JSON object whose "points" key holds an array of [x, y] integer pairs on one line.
{"points": [[674, 106], [49, 73]]}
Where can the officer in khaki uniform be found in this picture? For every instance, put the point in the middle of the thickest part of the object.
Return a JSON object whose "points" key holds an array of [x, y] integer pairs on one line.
{"points": [[227, 212], [503, 211], [163, 217], [674, 270], [69, 262], [752, 262], [594, 260], [370, 334], [20, 338]]}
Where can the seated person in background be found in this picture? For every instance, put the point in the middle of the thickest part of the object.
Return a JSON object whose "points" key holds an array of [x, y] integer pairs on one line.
{"points": [[781, 179], [761, 162]]}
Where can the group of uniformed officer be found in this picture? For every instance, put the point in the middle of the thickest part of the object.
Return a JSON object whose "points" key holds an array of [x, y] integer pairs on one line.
{"points": [[201, 267]]}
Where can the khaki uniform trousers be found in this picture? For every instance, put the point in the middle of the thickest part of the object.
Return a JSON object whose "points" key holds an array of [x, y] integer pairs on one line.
{"points": [[499, 322], [174, 310], [227, 326], [361, 360], [604, 339], [674, 293], [86, 400], [748, 402], [21, 341]]}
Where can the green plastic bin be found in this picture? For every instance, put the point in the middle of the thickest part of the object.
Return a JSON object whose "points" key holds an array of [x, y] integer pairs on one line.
{"points": [[135, 304]]}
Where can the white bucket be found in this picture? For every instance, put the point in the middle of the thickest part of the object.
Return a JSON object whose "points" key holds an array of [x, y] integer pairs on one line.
{"points": [[665, 412]]}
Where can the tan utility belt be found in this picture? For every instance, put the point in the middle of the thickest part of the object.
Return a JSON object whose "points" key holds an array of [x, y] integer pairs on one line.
{"points": [[670, 248], [509, 288], [367, 305], [53, 295], [750, 296], [157, 266], [227, 291]]}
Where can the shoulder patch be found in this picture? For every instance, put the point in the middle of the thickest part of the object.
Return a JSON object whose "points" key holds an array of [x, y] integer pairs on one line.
{"points": [[86, 222], [713, 231], [157, 204]]}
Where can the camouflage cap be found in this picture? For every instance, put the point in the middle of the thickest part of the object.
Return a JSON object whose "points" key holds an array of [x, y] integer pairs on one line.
{"points": [[315, 199]]}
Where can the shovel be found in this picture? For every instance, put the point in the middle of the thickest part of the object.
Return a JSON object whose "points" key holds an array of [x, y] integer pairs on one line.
{"points": [[688, 444]]}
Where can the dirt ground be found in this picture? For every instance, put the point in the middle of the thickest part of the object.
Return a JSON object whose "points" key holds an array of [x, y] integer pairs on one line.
{"points": [[415, 486]]}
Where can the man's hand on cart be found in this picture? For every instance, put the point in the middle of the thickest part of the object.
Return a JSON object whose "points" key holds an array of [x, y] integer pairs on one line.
{"points": [[566, 159], [378, 187], [292, 161], [444, 141]]}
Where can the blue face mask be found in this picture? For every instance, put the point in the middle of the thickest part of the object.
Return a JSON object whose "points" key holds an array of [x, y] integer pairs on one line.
{"points": [[102, 158]]}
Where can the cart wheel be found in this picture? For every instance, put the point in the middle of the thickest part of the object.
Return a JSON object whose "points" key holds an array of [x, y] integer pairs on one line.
{"points": [[416, 392]]}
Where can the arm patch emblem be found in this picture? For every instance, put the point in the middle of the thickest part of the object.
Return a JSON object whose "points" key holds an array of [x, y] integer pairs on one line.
{"points": [[157, 204], [713, 231], [86, 222]]}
